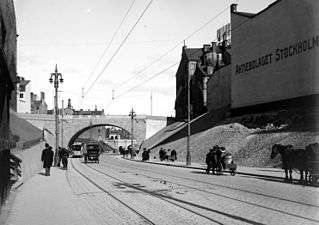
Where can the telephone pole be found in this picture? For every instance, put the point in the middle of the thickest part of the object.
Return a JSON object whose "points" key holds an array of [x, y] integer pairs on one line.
{"points": [[132, 115], [62, 112]]}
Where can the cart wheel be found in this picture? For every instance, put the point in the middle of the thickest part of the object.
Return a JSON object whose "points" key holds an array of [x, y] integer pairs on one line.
{"points": [[219, 169], [233, 172], [314, 179]]}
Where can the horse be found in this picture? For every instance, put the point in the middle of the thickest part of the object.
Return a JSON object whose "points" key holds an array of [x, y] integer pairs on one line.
{"points": [[291, 159]]}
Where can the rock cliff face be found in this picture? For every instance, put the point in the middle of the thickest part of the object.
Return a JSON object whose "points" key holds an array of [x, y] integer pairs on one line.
{"points": [[249, 138]]}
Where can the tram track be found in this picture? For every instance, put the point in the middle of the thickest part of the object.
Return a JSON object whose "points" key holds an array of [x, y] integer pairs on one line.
{"points": [[162, 197], [223, 196], [218, 185], [145, 219]]}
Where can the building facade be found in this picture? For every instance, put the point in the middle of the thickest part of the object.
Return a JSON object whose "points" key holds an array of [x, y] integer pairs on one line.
{"points": [[23, 96], [206, 60], [38, 106], [275, 56], [8, 78]]}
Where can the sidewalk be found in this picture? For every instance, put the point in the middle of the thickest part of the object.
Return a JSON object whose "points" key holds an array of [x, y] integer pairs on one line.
{"points": [[46, 200], [59, 205]]}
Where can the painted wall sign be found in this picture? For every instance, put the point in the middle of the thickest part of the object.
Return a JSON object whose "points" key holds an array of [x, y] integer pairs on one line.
{"points": [[278, 55]]}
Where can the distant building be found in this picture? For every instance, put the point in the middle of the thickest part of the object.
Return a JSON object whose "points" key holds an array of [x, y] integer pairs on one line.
{"points": [[88, 112], [199, 64], [69, 109], [38, 106], [23, 96]]}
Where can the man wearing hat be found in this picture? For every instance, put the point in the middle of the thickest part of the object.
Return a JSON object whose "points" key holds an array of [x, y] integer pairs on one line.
{"points": [[210, 161], [47, 158]]}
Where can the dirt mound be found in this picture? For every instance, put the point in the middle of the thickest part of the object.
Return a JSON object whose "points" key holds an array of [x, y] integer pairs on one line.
{"points": [[249, 138]]}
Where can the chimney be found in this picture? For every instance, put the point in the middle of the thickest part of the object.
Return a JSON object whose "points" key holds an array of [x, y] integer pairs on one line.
{"points": [[42, 96], [69, 104], [214, 52], [233, 8]]}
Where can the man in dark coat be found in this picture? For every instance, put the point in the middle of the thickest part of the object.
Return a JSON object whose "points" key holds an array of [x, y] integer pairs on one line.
{"points": [[210, 158], [64, 156], [47, 158]]}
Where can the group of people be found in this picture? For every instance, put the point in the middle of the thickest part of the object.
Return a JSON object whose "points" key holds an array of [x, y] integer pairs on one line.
{"points": [[146, 154], [63, 156], [126, 152], [167, 155], [213, 158], [47, 158]]}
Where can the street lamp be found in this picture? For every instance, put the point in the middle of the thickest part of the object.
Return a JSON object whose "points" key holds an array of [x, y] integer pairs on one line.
{"points": [[132, 115], [191, 71], [56, 82]]}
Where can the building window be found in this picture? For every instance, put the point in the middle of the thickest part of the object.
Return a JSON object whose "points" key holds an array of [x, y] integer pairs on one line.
{"points": [[22, 88], [21, 95]]}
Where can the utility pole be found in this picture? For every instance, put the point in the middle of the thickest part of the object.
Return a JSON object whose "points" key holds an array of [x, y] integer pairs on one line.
{"points": [[151, 103], [62, 112], [56, 80], [191, 71], [132, 115], [91, 131]]}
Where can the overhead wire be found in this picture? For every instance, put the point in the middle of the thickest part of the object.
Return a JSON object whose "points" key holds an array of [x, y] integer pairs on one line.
{"points": [[109, 44], [174, 64], [167, 52], [118, 49], [177, 45], [111, 41]]}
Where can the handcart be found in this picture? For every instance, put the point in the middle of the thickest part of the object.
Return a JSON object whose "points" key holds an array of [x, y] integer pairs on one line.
{"points": [[226, 163]]}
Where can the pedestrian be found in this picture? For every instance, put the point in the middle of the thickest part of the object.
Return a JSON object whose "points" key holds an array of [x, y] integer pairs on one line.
{"points": [[173, 155], [144, 155], [59, 156], [160, 153], [64, 156], [122, 151], [47, 158], [148, 154], [85, 152], [210, 161]]}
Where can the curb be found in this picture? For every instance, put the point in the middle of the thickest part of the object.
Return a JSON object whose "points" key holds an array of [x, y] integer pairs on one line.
{"points": [[192, 167]]}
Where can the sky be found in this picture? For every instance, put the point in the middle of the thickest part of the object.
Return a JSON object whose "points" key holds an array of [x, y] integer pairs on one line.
{"points": [[116, 65]]}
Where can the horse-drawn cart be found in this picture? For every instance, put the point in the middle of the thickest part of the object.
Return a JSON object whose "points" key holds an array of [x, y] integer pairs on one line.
{"points": [[313, 170], [305, 160]]}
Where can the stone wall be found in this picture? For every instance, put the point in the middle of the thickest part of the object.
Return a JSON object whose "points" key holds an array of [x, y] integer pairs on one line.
{"points": [[31, 161]]}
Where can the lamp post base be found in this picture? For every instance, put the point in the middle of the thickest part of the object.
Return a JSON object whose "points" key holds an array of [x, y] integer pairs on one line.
{"points": [[188, 160], [56, 159]]}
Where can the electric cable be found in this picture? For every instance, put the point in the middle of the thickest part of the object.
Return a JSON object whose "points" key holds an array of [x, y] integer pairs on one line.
{"points": [[112, 39], [118, 49], [109, 44], [177, 45]]}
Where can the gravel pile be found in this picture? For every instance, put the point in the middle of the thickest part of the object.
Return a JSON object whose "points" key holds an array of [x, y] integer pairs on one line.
{"points": [[249, 146]]}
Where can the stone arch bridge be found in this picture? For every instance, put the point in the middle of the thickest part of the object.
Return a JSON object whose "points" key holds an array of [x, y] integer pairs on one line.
{"points": [[144, 126]]}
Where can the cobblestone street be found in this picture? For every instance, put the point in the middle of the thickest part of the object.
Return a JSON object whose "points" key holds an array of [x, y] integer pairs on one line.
{"points": [[118, 191]]}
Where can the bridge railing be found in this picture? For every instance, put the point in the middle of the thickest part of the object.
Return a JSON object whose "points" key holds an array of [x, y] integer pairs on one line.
{"points": [[15, 168]]}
